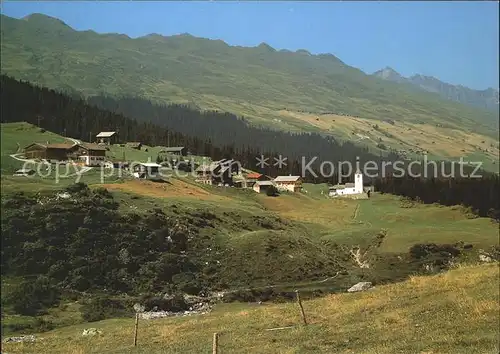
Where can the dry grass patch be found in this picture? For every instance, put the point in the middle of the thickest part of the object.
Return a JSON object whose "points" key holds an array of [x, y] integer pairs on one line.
{"points": [[447, 142], [174, 188]]}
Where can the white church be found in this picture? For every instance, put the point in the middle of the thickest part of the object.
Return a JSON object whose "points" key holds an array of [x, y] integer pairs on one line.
{"points": [[350, 189]]}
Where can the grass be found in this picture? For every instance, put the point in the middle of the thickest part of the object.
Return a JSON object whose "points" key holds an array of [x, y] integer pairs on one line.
{"points": [[454, 312], [269, 241]]}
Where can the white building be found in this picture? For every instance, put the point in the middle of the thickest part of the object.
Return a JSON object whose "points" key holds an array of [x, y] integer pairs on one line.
{"points": [[107, 138], [288, 183], [348, 188], [147, 170]]}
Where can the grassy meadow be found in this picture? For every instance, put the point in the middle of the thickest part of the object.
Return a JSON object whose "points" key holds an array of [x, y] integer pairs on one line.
{"points": [[454, 312], [289, 242]]}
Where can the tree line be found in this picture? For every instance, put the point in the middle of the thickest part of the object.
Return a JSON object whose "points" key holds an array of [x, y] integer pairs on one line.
{"points": [[224, 135]]}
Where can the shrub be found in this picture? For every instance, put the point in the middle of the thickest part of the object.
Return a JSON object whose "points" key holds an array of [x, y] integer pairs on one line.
{"points": [[272, 191], [102, 307], [30, 298]]}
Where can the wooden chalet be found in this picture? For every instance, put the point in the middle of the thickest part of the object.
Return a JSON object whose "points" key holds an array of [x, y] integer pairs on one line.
{"points": [[218, 172]]}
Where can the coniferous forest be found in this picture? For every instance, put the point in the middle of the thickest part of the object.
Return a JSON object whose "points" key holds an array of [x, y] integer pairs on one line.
{"points": [[224, 135]]}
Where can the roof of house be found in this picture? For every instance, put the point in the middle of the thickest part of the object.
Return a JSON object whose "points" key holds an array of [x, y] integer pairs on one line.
{"points": [[174, 148], [224, 165], [264, 183], [286, 178], [207, 168], [89, 146], [149, 164], [39, 144], [105, 134], [254, 175], [63, 146], [25, 170]]}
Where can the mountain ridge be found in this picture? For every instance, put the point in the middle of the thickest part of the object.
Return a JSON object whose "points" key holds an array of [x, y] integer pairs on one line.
{"points": [[486, 98], [256, 82]]}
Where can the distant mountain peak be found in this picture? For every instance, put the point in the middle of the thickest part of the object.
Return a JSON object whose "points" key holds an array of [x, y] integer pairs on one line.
{"points": [[303, 51], [390, 74], [486, 99], [266, 46], [44, 19]]}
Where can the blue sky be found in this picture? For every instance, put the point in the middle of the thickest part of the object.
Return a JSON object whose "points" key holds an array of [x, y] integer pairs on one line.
{"points": [[457, 42]]}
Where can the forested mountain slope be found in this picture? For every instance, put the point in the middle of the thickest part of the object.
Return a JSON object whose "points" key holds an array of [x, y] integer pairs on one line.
{"points": [[256, 82]]}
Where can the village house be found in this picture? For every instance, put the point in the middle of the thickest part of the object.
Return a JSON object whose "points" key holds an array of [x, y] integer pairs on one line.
{"points": [[92, 154], [120, 164], [175, 150], [288, 183], [50, 152], [148, 170], [107, 138], [88, 154], [24, 172], [134, 145], [254, 177], [262, 186], [218, 172]]}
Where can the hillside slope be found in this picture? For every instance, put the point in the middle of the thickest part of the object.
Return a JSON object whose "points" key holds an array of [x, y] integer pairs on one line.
{"points": [[256, 82], [455, 312], [484, 99]]}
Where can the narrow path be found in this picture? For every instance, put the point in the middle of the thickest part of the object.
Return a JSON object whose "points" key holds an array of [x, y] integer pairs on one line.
{"points": [[74, 141], [16, 157], [79, 172], [355, 215]]}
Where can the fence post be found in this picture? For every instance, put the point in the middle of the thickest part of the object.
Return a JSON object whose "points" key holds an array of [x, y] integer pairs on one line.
{"points": [[136, 328], [302, 313], [215, 343]]}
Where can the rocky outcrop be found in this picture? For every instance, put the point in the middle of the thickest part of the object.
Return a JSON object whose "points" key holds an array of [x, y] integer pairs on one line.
{"points": [[30, 338], [361, 286], [91, 332]]}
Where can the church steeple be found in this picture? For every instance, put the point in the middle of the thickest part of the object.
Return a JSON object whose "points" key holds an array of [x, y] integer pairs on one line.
{"points": [[358, 182]]}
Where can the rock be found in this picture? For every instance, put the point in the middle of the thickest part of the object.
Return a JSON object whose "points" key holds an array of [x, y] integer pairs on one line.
{"points": [[139, 308], [485, 258], [30, 338], [91, 332], [361, 286]]}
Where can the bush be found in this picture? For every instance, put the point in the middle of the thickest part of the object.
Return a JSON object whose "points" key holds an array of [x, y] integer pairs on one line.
{"points": [[175, 303], [272, 191], [77, 188], [30, 298], [102, 307], [420, 251]]}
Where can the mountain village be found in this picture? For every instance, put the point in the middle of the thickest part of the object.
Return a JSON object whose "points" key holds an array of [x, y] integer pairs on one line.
{"points": [[223, 173]]}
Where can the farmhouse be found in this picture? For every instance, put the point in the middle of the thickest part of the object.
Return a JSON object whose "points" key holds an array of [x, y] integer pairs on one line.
{"points": [[254, 177], [175, 150], [351, 189], [107, 138], [288, 183], [148, 170], [58, 152], [91, 154], [262, 186], [218, 172]]}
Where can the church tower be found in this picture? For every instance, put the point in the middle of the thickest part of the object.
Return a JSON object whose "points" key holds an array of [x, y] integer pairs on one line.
{"points": [[358, 182]]}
